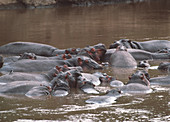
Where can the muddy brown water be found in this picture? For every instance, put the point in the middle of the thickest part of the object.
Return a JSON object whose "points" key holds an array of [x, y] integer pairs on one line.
{"points": [[78, 27]]}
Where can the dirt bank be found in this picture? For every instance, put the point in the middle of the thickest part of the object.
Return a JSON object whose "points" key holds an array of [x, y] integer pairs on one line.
{"points": [[14, 4]]}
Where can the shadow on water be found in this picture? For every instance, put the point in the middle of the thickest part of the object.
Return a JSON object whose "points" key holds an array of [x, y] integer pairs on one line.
{"points": [[78, 27]]}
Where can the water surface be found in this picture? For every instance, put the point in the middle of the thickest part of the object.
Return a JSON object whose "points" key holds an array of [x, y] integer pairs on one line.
{"points": [[78, 27]]}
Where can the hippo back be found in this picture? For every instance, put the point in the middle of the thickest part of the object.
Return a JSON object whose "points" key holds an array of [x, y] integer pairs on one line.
{"points": [[122, 59]]}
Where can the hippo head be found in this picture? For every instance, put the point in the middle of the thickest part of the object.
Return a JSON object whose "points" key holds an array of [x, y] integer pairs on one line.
{"points": [[27, 56], [125, 42], [66, 56], [58, 83], [86, 86], [73, 51], [141, 77], [143, 64], [164, 66], [1, 61], [87, 63], [114, 92], [165, 50]]}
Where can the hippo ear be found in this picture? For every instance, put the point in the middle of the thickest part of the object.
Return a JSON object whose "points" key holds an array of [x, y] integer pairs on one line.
{"points": [[64, 57], [67, 52], [92, 50], [79, 60], [129, 41]]}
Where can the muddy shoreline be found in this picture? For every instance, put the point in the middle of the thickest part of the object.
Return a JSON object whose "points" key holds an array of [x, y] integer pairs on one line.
{"points": [[31, 4]]}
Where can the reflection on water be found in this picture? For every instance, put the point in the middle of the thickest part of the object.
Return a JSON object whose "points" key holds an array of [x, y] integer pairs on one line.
{"points": [[78, 27]]}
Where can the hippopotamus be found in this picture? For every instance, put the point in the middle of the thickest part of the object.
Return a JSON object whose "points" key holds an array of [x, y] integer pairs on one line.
{"points": [[45, 65], [21, 76], [95, 52], [121, 58], [163, 81], [20, 87], [164, 66], [139, 54], [17, 48], [151, 46], [109, 98], [32, 56], [143, 64], [1, 61], [138, 83]]}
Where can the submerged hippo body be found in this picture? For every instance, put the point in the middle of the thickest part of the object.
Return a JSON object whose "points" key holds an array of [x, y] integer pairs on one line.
{"points": [[20, 87], [45, 65], [138, 83], [163, 81], [121, 58], [108, 98], [164, 66], [151, 46], [21, 47], [139, 54], [21, 76]]}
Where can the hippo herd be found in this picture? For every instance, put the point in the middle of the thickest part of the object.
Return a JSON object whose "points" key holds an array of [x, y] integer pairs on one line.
{"points": [[37, 70]]}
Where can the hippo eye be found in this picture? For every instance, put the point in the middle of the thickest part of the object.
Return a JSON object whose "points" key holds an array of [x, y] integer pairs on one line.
{"points": [[86, 61], [67, 52], [73, 49], [92, 50]]}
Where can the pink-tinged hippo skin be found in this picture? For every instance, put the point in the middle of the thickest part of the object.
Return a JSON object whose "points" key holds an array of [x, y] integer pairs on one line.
{"points": [[121, 58], [151, 46], [45, 65]]}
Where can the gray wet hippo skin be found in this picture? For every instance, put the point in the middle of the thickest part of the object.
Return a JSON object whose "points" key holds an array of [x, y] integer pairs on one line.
{"points": [[138, 54], [162, 81], [151, 46], [121, 58], [95, 52], [138, 83], [45, 65], [32, 56], [109, 98], [164, 66], [143, 64], [17, 48], [21, 76], [20, 87]]}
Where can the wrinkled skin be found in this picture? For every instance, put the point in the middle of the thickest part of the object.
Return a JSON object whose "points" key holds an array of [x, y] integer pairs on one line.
{"points": [[121, 58], [45, 65], [151, 46]]}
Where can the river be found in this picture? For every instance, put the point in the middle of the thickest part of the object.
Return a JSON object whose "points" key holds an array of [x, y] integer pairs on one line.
{"points": [[66, 27]]}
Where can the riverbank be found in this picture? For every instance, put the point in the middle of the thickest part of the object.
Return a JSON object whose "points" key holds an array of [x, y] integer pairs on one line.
{"points": [[15, 4]]}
